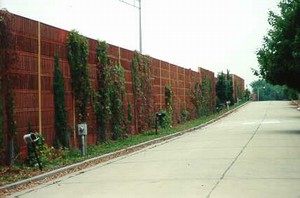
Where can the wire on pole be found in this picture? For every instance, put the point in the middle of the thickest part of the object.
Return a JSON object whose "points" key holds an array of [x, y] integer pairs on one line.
{"points": [[135, 3]]}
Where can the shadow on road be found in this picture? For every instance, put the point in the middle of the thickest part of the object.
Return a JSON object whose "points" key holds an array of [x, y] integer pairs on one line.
{"points": [[292, 132]]}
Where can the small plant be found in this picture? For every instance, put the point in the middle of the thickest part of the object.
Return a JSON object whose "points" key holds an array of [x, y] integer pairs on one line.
{"points": [[185, 115], [41, 148]]}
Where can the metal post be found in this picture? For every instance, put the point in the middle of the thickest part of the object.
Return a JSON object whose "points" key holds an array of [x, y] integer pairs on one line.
{"points": [[83, 145], [140, 25], [140, 18], [156, 125], [258, 99], [39, 80], [36, 156]]}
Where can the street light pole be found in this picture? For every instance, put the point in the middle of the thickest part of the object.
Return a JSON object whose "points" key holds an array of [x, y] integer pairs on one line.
{"points": [[258, 92], [140, 24], [139, 6]]}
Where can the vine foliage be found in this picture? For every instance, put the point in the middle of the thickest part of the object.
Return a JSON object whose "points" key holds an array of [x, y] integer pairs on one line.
{"points": [[196, 98], [201, 97], [117, 97], [78, 57], [207, 105], [8, 57], [60, 106], [142, 91], [102, 109], [168, 118], [110, 96]]}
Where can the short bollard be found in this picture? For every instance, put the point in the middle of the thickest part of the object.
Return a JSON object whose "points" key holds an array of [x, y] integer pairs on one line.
{"points": [[31, 139], [82, 131], [158, 118]]}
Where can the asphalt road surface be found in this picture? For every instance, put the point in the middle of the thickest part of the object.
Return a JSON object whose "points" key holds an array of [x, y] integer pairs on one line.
{"points": [[254, 152]]}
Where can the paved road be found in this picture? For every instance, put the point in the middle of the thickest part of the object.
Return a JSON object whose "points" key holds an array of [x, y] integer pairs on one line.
{"points": [[254, 152]]}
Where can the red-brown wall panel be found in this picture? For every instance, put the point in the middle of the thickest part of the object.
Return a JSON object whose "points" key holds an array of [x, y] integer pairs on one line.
{"points": [[54, 40]]}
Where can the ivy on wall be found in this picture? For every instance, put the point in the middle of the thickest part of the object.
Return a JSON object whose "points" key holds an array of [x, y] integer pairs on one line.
{"points": [[129, 118], [103, 105], [142, 92], [168, 118], [117, 98], [78, 51], [60, 106], [8, 56], [196, 98], [110, 96], [207, 106], [201, 98]]}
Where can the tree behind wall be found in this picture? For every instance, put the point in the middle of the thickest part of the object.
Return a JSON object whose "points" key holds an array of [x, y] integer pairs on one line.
{"points": [[224, 88], [221, 88], [229, 87]]}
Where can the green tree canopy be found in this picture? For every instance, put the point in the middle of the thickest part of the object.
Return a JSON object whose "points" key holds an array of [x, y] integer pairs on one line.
{"points": [[279, 56], [268, 91], [224, 87], [221, 87]]}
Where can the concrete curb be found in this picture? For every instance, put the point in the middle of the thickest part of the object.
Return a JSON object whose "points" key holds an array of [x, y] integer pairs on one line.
{"points": [[115, 154]]}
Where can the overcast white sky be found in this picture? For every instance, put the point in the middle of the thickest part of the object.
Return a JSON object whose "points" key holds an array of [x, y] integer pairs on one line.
{"points": [[213, 34]]}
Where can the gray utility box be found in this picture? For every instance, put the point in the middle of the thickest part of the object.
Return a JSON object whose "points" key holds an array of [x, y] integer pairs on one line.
{"points": [[82, 129]]}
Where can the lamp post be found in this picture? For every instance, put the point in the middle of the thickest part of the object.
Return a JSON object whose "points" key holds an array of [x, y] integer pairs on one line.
{"points": [[258, 92], [139, 6]]}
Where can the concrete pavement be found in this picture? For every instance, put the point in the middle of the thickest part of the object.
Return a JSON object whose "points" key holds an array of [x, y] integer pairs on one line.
{"points": [[254, 152]]}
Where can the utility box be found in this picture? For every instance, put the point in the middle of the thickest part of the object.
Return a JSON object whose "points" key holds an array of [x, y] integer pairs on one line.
{"points": [[82, 129]]}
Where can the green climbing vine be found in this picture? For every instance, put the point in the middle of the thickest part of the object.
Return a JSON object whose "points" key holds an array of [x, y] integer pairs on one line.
{"points": [[8, 56], [196, 98], [201, 98], [207, 107], [168, 118], [103, 106], [109, 107], [78, 57], [117, 98], [142, 91], [129, 118], [60, 106]]}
